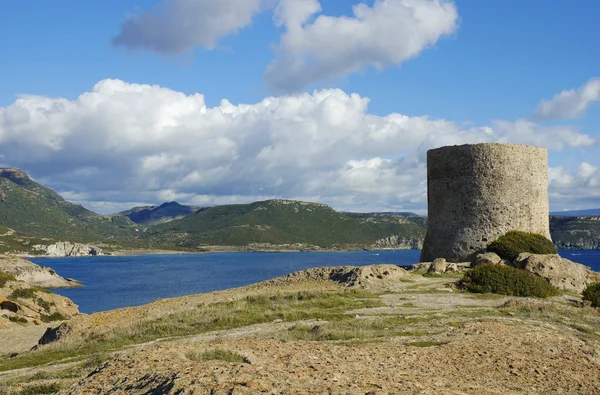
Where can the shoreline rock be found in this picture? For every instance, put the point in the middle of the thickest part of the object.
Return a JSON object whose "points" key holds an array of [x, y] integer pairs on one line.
{"points": [[35, 275], [66, 249]]}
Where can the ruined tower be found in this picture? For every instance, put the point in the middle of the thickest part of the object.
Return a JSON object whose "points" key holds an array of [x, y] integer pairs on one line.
{"points": [[476, 193]]}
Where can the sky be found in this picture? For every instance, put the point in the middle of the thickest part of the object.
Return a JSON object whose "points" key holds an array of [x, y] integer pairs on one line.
{"points": [[126, 102]]}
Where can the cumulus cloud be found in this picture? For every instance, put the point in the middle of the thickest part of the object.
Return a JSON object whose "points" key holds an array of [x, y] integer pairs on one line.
{"points": [[176, 26], [388, 33], [123, 143], [571, 103], [577, 189]]}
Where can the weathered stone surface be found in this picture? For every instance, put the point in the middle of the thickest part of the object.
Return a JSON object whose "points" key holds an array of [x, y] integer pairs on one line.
{"points": [[476, 193], [33, 274], [560, 272], [63, 249], [54, 334], [401, 243], [488, 258], [438, 266]]}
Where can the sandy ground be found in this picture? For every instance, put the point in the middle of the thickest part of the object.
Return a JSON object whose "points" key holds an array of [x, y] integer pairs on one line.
{"points": [[455, 343]]}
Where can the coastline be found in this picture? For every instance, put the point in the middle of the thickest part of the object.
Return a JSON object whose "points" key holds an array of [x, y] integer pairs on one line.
{"points": [[213, 249]]}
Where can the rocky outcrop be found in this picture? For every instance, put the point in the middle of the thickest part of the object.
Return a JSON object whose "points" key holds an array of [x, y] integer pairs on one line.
{"points": [[400, 243], [24, 305], [366, 277], [439, 266], [65, 249], [582, 243], [488, 258], [55, 334], [560, 272], [33, 274]]}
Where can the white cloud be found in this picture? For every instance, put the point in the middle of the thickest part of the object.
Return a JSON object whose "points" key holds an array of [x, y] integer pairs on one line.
{"points": [[569, 104], [386, 34], [574, 190], [176, 26], [126, 142]]}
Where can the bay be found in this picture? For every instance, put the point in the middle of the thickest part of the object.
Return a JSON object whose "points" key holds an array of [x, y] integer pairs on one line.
{"points": [[112, 282]]}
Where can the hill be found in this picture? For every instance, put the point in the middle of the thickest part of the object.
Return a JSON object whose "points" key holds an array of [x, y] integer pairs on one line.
{"points": [[154, 215], [285, 223], [579, 233], [29, 210], [577, 213]]}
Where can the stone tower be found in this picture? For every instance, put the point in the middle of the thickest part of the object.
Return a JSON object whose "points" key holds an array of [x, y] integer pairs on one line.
{"points": [[476, 193]]}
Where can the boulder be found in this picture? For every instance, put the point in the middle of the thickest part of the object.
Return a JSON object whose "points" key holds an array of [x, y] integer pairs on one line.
{"points": [[55, 334], [452, 268], [560, 272], [438, 266], [488, 258]]}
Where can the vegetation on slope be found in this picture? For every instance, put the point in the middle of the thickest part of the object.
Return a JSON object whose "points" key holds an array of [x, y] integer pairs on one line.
{"points": [[592, 294], [576, 232], [34, 211], [281, 222], [514, 242], [506, 280]]}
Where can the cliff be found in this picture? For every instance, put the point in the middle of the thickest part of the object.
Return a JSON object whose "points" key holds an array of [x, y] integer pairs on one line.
{"points": [[33, 274]]}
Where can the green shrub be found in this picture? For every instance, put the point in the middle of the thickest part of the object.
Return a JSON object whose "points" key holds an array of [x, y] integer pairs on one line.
{"points": [[5, 277], [45, 305], [218, 354], [16, 319], [506, 280], [22, 293], [52, 388], [510, 245], [592, 293], [52, 317]]}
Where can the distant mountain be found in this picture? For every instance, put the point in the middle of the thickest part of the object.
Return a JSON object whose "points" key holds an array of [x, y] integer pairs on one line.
{"points": [[153, 215], [286, 222], [577, 213], [30, 209]]}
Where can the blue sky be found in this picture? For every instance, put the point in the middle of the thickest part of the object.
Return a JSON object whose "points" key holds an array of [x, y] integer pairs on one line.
{"points": [[458, 72]]}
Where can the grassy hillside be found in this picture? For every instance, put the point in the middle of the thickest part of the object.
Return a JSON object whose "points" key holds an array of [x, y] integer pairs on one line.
{"points": [[582, 233], [33, 210], [282, 222]]}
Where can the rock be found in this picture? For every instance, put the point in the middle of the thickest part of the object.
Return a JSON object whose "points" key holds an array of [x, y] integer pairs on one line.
{"points": [[10, 306], [64, 249], [382, 276], [423, 266], [33, 274], [560, 272], [54, 334], [488, 258], [401, 243], [452, 268], [438, 266]]}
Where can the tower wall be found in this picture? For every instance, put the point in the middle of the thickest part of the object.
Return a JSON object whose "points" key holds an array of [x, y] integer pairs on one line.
{"points": [[476, 193]]}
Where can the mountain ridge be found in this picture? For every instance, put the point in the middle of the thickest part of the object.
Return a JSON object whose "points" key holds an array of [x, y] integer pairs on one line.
{"points": [[32, 214]]}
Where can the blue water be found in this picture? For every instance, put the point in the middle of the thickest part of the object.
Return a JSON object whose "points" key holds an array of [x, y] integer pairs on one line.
{"points": [[114, 282], [122, 281]]}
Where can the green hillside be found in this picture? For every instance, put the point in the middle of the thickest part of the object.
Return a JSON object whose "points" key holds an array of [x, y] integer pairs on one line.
{"points": [[580, 233], [33, 210], [280, 222]]}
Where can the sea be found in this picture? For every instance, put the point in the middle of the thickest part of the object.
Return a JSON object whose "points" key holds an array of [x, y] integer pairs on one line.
{"points": [[111, 282]]}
